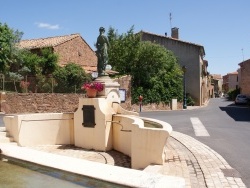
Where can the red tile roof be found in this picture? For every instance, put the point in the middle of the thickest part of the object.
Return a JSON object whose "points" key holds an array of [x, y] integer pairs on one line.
{"points": [[216, 76], [46, 42], [233, 73]]}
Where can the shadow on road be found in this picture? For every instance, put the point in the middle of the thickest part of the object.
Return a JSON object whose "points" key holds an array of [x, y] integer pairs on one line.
{"points": [[237, 112]]}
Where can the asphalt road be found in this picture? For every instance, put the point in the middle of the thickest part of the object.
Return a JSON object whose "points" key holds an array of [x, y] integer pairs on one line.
{"points": [[1, 120], [227, 124]]}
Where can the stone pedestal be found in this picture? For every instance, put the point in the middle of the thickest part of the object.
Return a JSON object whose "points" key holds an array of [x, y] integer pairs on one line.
{"points": [[109, 85], [93, 118], [98, 136], [110, 91]]}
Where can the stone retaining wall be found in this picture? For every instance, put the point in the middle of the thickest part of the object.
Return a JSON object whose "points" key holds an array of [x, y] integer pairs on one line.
{"points": [[52, 102], [13, 103], [39, 102]]}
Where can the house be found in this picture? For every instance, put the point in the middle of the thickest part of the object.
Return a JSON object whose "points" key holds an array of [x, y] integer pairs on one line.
{"points": [[244, 80], [189, 55], [217, 82], [70, 48], [230, 81]]}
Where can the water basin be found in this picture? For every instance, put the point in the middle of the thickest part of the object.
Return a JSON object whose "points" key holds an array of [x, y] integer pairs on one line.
{"points": [[22, 174]]}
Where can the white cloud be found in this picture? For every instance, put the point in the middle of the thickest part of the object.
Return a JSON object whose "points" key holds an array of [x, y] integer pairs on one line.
{"points": [[47, 26]]}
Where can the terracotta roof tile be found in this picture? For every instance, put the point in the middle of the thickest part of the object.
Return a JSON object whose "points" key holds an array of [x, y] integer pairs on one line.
{"points": [[232, 73], [46, 42], [216, 76]]}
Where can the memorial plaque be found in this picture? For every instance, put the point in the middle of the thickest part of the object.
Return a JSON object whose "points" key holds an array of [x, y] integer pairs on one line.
{"points": [[88, 115]]}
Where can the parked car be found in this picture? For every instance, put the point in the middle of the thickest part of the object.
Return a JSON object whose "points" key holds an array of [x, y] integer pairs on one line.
{"points": [[216, 95], [225, 95], [241, 99]]}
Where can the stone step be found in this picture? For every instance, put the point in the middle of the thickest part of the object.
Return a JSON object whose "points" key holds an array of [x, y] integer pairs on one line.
{"points": [[2, 129], [153, 168], [6, 139], [4, 134]]}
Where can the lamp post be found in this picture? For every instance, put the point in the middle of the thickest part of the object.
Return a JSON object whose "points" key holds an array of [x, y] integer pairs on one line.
{"points": [[184, 69]]}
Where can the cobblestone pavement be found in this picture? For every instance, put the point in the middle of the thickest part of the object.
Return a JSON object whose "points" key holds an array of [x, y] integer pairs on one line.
{"points": [[206, 168]]}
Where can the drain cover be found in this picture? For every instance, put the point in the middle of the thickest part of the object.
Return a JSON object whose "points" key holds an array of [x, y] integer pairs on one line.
{"points": [[231, 173]]}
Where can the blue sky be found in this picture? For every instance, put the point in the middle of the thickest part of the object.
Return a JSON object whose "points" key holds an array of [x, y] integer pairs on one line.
{"points": [[221, 26]]}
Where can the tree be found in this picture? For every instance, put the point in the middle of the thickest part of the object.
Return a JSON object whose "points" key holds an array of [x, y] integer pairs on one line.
{"points": [[155, 72], [70, 78], [48, 62], [124, 50], [15, 77], [31, 60], [8, 48]]}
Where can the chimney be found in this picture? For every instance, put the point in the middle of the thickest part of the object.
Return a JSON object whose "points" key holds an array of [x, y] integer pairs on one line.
{"points": [[175, 32]]}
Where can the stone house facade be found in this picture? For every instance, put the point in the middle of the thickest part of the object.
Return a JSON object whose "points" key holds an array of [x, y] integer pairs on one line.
{"points": [[230, 82], [244, 80], [217, 82], [70, 48], [190, 55]]}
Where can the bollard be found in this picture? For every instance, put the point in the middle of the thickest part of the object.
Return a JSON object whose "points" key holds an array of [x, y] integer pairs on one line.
{"points": [[140, 101]]}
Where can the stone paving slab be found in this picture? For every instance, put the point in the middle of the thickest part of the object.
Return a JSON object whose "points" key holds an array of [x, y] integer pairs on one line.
{"points": [[112, 157], [114, 174], [186, 158]]}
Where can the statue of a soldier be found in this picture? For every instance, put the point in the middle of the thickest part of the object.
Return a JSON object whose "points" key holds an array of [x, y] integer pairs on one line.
{"points": [[102, 45]]}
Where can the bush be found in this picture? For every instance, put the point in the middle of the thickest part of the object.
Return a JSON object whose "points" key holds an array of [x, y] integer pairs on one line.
{"points": [[190, 100], [233, 93]]}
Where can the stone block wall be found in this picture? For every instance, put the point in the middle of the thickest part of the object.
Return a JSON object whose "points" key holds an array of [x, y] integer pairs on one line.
{"points": [[39, 103], [77, 51], [52, 102], [245, 77]]}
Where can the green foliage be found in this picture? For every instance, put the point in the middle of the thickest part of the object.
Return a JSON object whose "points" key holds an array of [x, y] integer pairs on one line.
{"points": [[24, 71], [15, 77], [8, 50], [70, 78], [31, 61], [233, 93], [123, 51], [48, 61], [45, 63], [155, 72], [190, 100]]}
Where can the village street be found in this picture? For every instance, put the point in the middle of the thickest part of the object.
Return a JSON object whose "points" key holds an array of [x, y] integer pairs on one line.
{"points": [[225, 128]]}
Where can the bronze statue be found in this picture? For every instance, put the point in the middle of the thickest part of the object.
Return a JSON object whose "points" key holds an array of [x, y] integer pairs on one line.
{"points": [[102, 45]]}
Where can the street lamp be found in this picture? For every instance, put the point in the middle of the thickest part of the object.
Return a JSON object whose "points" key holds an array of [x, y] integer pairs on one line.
{"points": [[184, 69]]}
